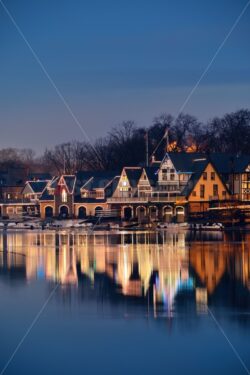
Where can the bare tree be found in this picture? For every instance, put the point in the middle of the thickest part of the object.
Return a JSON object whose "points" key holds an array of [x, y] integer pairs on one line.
{"points": [[230, 134]]}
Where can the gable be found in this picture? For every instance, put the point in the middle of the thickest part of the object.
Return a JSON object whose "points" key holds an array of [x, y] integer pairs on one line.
{"points": [[68, 181], [144, 179], [209, 178], [122, 184], [124, 180], [61, 181], [27, 189], [167, 163]]}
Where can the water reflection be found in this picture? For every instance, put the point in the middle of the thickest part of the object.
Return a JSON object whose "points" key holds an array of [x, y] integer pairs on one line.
{"points": [[164, 271]]}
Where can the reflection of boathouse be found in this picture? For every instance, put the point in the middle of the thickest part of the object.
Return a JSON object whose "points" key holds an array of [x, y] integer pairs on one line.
{"points": [[150, 267]]}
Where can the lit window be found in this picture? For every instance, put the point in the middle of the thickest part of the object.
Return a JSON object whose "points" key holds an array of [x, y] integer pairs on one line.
{"points": [[64, 196]]}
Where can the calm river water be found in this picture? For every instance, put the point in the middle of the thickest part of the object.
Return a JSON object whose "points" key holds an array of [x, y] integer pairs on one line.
{"points": [[135, 303]]}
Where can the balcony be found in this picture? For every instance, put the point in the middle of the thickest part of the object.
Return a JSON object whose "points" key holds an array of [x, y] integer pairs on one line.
{"points": [[155, 199], [128, 200], [17, 201]]}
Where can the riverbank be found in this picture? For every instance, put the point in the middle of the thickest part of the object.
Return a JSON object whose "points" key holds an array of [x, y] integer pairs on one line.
{"points": [[107, 226]]}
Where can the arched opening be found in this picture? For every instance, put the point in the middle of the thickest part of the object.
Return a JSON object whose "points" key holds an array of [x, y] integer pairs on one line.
{"points": [[141, 213], [153, 211], [48, 211], [128, 213], [98, 211], [180, 214], [167, 214], [82, 212], [64, 212]]}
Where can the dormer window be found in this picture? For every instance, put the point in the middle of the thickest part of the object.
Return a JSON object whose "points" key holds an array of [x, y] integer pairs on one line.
{"points": [[64, 196]]}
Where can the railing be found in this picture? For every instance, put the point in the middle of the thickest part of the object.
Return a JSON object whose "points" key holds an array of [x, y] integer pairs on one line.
{"points": [[175, 198], [159, 199], [127, 199], [13, 201]]}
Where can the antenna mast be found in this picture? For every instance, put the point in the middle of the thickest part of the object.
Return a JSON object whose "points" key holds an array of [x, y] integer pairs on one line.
{"points": [[146, 139]]}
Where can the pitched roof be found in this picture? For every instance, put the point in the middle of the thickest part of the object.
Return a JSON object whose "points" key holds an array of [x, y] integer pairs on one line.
{"points": [[224, 163], [70, 182], [94, 179], [230, 163], [183, 161], [113, 185], [151, 173], [54, 182], [133, 175], [46, 196], [198, 168], [38, 186]]}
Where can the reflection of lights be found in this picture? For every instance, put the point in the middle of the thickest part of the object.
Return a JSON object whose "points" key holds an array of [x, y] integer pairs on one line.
{"points": [[117, 263], [201, 300], [48, 255], [125, 269]]}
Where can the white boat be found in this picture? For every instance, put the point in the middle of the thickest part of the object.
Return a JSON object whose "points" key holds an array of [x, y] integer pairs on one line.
{"points": [[207, 226], [24, 225], [172, 226]]}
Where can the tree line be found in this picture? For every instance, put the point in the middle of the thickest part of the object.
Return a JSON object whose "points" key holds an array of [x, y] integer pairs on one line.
{"points": [[127, 144]]}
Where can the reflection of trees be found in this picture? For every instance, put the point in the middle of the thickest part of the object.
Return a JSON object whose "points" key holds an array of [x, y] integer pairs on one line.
{"points": [[152, 268]]}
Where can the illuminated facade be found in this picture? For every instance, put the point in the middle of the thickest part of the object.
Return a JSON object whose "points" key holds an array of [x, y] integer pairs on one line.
{"points": [[169, 190]]}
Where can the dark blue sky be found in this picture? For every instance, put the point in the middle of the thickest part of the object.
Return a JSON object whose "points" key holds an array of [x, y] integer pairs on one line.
{"points": [[117, 60]]}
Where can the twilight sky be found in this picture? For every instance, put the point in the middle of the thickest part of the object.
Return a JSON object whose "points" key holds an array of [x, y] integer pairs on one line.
{"points": [[117, 60]]}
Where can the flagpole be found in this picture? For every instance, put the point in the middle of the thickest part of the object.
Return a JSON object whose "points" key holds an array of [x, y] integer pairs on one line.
{"points": [[147, 148]]}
